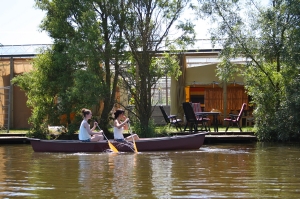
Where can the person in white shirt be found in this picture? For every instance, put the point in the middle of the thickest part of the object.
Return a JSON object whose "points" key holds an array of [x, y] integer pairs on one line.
{"points": [[86, 134], [119, 123]]}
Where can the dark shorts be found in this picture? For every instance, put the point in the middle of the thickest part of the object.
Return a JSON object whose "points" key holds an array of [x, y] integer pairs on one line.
{"points": [[120, 140], [88, 140]]}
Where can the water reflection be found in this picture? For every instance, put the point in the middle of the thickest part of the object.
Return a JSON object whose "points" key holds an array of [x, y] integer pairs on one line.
{"points": [[161, 178], [122, 166], [13, 179], [214, 171], [2, 165], [86, 170]]}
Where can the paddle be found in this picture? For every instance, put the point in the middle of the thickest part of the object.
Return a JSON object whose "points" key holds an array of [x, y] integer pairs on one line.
{"points": [[134, 146], [111, 146]]}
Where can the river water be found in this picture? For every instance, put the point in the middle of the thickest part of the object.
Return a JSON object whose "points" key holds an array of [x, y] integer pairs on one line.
{"points": [[252, 170]]}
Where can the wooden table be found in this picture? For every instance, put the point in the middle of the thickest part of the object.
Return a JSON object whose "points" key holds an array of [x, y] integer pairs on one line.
{"points": [[215, 118]]}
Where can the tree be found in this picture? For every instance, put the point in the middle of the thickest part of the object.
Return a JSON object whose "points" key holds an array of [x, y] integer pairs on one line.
{"points": [[268, 38], [86, 34], [56, 87], [147, 26], [91, 38]]}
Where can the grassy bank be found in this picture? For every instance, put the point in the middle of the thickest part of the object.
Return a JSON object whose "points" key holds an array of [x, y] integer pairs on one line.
{"points": [[158, 129]]}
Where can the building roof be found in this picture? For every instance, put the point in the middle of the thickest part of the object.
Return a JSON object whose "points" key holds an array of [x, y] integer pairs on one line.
{"points": [[29, 50]]}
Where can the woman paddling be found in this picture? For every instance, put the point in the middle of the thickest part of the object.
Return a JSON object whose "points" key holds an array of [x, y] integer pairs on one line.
{"points": [[119, 123], [86, 134]]}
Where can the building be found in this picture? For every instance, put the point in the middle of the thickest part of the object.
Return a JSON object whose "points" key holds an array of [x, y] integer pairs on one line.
{"points": [[200, 84], [197, 84]]}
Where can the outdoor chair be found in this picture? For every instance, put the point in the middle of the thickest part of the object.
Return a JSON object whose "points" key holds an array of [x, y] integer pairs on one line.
{"points": [[171, 119], [235, 119], [191, 118], [197, 109]]}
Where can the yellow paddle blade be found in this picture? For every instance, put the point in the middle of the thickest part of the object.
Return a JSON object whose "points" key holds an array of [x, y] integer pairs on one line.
{"points": [[134, 146], [112, 147]]}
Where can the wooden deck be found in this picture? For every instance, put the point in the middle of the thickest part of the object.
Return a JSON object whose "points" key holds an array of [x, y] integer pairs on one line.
{"points": [[13, 139], [230, 136], [243, 137]]}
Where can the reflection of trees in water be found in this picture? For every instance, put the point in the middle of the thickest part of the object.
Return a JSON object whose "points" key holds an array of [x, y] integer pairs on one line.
{"points": [[2, 166], [84, 170], [91, 173], [123, 168], [161, 178], [223, 169], [259, 170], [107, 174], [276, 170]]}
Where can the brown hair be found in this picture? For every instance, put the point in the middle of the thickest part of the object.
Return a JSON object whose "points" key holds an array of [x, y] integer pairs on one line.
{"points": [[118, 112], [85, 112]]}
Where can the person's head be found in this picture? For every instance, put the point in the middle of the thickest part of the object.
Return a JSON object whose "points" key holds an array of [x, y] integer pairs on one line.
{"points": [[86, 113], [118, 113]]}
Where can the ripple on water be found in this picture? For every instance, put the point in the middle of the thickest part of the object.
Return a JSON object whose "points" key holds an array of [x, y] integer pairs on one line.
{"points": [[213, 171]]}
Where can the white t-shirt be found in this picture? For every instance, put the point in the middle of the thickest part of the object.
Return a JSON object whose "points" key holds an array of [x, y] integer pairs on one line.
{"points": [[118, 133], [83, 133]]}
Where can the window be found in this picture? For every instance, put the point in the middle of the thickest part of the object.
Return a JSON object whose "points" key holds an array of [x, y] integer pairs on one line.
{"points": [[161, 92]]}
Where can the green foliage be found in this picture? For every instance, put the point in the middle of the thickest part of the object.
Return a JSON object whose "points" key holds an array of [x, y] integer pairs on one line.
{"points": [[41, 133], [289, 113], [163, 130], [41, 90], [76, 71], [146, 29], [89, 38], [57, 86], [266, 37], [87, 89], [145, 131], [169, 63], [226, 69], [96, 43], [74, 126]]}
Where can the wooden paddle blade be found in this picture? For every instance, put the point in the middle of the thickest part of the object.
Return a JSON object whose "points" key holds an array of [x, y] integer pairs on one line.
{"points": [[112, 147], [134, 146]]}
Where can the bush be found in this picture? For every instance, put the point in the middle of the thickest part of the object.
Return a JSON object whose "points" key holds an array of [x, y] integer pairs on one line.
{"points": [[145, 132]]}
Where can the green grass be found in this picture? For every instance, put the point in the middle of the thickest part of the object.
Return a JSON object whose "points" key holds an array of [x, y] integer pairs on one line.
{"points": [[14, 131], [166, 129], [159, 129]]}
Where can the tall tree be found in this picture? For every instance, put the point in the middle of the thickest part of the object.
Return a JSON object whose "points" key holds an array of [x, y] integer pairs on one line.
{"points": [[85, 33], [48, 82], [147, 29], [93, 35], [267, 36]]}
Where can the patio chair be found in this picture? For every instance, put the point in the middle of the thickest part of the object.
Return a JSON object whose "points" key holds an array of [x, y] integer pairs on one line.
{"points": [[171, 119], [197, 109], [235, 119], [191, 118]]}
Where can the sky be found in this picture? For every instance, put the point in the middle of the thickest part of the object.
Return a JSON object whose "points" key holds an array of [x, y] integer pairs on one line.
{"points": [[19, 24]]}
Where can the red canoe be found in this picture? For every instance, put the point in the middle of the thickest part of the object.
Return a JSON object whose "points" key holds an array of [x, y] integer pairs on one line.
{"points": [[183, 142]]}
